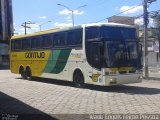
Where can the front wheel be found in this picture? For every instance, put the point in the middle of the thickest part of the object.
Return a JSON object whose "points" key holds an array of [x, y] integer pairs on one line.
{"points": [[78, 79]]}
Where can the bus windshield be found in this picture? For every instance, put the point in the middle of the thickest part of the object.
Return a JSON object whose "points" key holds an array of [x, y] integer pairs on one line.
{"points": [[118, 46], [114, 33], [119, 54]]}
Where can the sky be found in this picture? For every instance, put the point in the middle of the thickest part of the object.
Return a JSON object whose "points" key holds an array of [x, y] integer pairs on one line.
{"points": [[48, 15]]}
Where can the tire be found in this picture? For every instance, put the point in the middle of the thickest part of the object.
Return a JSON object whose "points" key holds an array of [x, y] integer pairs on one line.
{"points": [[23, 74], [28, 74], [78, 79]]}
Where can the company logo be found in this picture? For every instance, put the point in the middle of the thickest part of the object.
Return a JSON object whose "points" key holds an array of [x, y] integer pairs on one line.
{"points": [[94, 77], [35, 55]]}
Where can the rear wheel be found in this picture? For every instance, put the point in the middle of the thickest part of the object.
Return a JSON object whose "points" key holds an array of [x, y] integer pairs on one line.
{"points": [[78, 79], [22, 72], [28, 74]]}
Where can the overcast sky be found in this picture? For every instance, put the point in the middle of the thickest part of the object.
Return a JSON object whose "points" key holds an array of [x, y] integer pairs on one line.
{"points": [[49, 15]]}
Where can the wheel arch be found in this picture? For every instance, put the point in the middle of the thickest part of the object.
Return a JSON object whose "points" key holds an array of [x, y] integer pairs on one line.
{"points": [[21, 68], [28, 67]]}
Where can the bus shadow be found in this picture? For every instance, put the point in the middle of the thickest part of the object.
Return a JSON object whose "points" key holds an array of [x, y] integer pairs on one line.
{"points": [[127, 89], [53, 81], [11, 108], [132, 90]]}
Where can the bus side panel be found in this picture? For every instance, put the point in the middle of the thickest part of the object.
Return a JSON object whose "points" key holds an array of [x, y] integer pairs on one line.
{"points": [[16, 59], [35, 62], [56, 66], [76, 57], [77, 61]]}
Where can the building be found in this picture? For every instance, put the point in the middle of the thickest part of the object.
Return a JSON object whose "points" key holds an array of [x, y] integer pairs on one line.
{"points": [[6, 30], [122, 20]]}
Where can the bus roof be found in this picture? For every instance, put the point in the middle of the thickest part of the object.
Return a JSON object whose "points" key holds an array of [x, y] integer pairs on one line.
{"points": [[109, 24], [71, 28], [46, 32]]}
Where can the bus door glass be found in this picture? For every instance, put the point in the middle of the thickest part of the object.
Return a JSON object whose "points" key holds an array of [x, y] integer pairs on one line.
{"points": [[96, 54]]}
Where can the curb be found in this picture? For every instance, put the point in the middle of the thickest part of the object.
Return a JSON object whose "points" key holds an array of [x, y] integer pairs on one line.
{"points": [[151, 78]]}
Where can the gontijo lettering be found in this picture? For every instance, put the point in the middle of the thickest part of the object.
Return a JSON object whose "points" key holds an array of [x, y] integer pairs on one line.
{"points": [[35, 55]]}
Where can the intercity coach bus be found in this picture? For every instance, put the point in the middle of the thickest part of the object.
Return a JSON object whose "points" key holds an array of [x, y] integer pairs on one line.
{"points": [[101, 54]]}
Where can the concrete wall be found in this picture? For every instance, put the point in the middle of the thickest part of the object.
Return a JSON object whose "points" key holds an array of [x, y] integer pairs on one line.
{"points": [[152, 59]]}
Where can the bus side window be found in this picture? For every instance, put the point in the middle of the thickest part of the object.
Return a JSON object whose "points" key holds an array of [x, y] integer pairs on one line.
{"points": [[36, 42], [56, 39], [71, 38], [17, 45], [46, 41], [74, 38], [26, 43], [52, 38], [92, 33], [33, 42], [12, 45], [59, 39], [79, 37]]}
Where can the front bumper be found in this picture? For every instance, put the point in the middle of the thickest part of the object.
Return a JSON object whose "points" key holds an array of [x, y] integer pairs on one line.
{"points": [[122, 79]]}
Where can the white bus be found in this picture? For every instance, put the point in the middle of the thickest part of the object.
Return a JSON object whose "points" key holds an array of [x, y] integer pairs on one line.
{"points": [[100, 54]]}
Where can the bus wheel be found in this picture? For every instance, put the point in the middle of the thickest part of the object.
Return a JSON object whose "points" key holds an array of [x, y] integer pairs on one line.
{"points": [[28, 74], [22, 72], [78, 79]]}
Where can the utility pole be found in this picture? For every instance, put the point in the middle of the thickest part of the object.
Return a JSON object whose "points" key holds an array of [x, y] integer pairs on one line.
{"points": [[25, 25], [145, 59], [72, 11], [40, 26]]}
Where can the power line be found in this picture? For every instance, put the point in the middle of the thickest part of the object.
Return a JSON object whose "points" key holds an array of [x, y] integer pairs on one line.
{"points": [[151, 14], [118, 13]]}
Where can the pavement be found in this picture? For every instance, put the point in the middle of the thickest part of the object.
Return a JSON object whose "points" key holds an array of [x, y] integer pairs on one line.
{"points": [[154, 73], [53, 99]]}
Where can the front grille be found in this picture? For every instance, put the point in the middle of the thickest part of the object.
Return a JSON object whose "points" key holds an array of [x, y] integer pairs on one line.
{"points": [[123, 72], [132, 71]]}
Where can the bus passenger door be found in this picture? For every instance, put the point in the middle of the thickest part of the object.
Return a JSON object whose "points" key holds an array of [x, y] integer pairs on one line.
{"points": [[96, 59], [96, 54]]}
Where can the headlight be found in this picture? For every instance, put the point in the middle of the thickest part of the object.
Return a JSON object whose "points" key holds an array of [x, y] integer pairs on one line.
{"points": [[140, 77], [113, 80]]}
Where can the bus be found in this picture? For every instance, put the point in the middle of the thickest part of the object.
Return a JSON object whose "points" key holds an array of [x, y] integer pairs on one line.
{"points": [[102, 54]]}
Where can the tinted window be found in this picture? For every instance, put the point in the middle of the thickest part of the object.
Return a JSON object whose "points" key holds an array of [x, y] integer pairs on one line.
{"points": [[16, 45], [59, 39], [118, 33], [26, 44], [92, 32], [33, 42], [12, 45], [46, 41], [74, 37], [36, 42]]}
